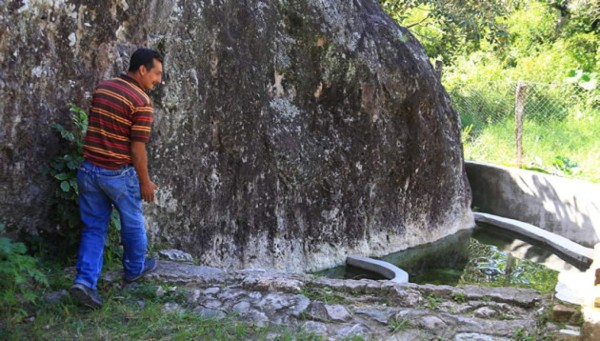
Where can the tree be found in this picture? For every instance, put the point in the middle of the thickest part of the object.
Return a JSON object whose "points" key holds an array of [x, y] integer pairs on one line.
{"points": [[448, 27]]}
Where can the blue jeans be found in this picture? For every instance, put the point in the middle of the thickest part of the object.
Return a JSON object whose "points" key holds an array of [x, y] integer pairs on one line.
{"points": [[99, 190]]}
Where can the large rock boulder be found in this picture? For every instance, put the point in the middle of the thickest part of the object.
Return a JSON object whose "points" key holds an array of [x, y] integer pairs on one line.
{"points": [[287, 135]]}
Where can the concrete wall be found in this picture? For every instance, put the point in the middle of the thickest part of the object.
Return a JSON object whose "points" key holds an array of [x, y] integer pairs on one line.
{"points": [[569, 208]]}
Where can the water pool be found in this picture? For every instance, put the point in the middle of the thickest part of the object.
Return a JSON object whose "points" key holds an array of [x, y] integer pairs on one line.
{"points": [[476, 256]]}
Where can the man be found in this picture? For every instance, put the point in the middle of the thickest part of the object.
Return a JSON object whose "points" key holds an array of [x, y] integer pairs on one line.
{"points": [[115, 172]]}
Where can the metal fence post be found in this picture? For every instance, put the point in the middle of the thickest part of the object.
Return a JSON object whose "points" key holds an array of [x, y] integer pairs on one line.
{"points": [[520, 99]]}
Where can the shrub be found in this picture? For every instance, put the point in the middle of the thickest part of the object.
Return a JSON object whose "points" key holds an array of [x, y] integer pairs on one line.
{"points": [[19, 276], [63, 170]]}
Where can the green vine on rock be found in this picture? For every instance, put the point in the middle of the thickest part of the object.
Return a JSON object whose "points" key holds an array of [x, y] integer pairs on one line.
{"points": [[63, 169]]}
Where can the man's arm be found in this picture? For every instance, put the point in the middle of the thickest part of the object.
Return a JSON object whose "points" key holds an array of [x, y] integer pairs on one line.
{"points": [[140, 163]]}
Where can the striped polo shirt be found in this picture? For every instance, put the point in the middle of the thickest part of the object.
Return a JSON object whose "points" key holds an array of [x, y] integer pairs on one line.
{"points": [[121, 112]]}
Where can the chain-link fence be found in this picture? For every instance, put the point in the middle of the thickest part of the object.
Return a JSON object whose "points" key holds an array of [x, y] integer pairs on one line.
{"points": [[548, 127]]}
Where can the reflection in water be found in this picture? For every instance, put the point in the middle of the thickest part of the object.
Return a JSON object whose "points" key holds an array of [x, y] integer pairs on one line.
{"points": [[470, 257], [490, 266]]}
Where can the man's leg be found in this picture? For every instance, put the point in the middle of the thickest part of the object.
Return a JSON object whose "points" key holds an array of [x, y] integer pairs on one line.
{"points": [[133, 230], [95, 209]]}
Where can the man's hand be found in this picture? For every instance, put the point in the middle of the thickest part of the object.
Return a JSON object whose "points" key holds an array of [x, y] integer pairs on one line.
{"points": [[147, 190], [140, 163]]}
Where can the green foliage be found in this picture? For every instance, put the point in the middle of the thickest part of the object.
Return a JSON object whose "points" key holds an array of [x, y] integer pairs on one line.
{"points": [[564, 165], [63, 169], [325, 295], [158, 293], [433, 301], [530, 29], [137, 313], [19, 277], [587, 81], [458, 297], [447, 28], [522, 334], [396, 325], [491, 267], [583, 48], [574, 138]]}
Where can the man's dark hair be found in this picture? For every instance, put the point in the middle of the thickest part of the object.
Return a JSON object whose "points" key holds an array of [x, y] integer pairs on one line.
{"points": [[144, 57]]}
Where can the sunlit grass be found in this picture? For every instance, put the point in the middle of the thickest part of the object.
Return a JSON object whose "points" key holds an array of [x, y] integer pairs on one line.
{"points": [[575, 139]]}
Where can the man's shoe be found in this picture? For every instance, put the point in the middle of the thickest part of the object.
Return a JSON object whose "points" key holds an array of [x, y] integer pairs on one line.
{"points": [[150, 264], [86, 296]]}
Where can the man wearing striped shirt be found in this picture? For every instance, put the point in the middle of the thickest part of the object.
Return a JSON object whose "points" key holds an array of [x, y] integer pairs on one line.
{"points": [[115, 173]]}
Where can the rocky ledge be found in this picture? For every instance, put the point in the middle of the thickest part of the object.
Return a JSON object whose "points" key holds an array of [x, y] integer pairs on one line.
{"points": [[334, 308]]}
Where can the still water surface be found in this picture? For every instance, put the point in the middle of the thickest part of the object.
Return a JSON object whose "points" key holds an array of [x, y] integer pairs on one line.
{"points": [[476, 256]]}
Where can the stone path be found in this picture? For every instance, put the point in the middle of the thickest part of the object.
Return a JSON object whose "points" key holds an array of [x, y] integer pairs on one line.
{"points": [[380, 310]]}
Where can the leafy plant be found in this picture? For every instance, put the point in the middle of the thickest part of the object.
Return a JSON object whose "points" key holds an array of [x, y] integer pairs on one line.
{"points": [[458, 297], [447, 28], [396, 325], [63, 169], [433, 301], [19, 275], [466, 132], [522, 334], [563, 165], [325, 295]]}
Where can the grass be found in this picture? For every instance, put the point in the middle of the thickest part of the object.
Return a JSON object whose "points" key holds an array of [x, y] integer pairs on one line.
{"points": [[459, 297], [325, 295], [124, 316], [545, 144], [399, 324], [127, 321], [433, 301]]}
